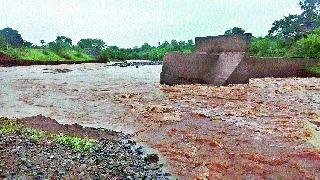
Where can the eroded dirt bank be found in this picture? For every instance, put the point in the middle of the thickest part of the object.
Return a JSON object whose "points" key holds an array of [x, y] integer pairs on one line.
{"points": [[264, 129]]}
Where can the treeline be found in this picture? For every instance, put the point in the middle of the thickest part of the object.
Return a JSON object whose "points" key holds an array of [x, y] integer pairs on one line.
{"points": [[292, 36], [13, 44], [146, 51]]}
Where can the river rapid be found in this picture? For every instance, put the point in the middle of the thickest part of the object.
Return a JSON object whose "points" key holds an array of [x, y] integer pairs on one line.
{"points": [[268, 128]]}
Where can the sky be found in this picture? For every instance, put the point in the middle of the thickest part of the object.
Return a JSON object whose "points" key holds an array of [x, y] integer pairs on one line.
{"points": [[129, 23]]}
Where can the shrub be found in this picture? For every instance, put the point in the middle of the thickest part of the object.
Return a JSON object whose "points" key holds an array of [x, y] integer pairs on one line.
{"points": [[65, 54], [76, 143], [46, 52], [308, 47], [267, 47]]}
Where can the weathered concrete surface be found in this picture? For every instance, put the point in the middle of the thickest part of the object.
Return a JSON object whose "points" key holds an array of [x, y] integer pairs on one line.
{"points": [[186, 69], [223, 60], [218, 44]]}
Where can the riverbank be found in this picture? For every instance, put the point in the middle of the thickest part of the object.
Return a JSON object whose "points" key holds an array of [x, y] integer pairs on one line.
{"points": [[40, 147], [6, 61]]}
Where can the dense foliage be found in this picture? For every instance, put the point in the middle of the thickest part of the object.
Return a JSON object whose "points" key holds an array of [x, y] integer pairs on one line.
{"points": [[61, 48], [235, 31], [12, 37], [146, 51], [267, 47], [293, 36], [309, 46]]}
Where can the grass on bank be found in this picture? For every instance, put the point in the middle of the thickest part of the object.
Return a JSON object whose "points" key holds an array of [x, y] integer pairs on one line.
{"points": [[46, 54], [8, 126], [315, 69]]}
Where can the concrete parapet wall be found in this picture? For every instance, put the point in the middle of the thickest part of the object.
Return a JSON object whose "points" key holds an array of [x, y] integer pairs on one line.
{"points": [[279, 67], [218, 44], [229, 66], [179, 68]]}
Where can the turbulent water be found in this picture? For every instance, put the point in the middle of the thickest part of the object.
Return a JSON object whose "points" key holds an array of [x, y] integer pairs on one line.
{"points": [[85, 93], [267, 129]]}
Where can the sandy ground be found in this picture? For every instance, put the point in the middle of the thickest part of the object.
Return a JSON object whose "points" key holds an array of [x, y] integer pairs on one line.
{"points": [[267, 129]]}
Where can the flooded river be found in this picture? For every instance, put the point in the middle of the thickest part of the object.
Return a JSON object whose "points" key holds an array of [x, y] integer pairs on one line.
{"points": [[84, 94], [268, 128]]}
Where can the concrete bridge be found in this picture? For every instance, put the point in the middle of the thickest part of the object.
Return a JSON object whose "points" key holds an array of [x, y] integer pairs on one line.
{"points": [[223, 60]]}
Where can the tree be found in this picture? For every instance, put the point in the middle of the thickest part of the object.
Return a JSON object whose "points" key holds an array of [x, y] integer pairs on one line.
{"points": [[27, 44], [42, 42], [64, 40], [293, 27], [289, 27], [310, 14], [175, 45], [12, 36], [61, 43], [267, 47], [3, 42], [146, 46], [91, 43], [235, 31], [309, 46], [92, 46]]}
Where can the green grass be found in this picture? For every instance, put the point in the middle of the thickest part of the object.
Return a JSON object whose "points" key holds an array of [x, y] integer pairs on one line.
{"points": [[76, 143], [314, 69], [46, 54], [8, 126], [75, 55]]}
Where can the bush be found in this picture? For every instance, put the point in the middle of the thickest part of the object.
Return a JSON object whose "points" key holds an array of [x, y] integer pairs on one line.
{"points": [[65, 54], [46, 52], [267, 47], [314, 69], [3, 42], [308, 47], [79, 55]]}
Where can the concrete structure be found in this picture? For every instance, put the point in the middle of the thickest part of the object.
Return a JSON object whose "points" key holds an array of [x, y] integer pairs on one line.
{"points": [[222, 60]]}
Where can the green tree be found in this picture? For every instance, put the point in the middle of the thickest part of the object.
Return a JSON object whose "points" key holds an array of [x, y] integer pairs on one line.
{"points": [[308, 47], [145, 47], [12, 36], [42, 42], [92, 46], [3, 42], [293, 27], [310, 14], [27, 44], [64, 40], [61, 43], [288, 28], [267, 47], [235, 31], [91, 43]]}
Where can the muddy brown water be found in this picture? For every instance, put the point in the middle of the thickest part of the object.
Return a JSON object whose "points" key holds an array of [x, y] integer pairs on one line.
{"points": [[266, 129], [86, 95]]}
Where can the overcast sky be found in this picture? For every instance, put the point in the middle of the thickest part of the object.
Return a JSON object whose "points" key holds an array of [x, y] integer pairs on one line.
{"points": [[127, 23]]}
